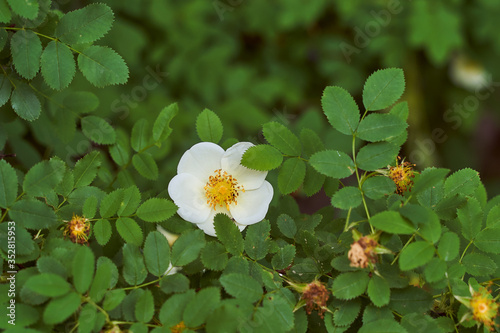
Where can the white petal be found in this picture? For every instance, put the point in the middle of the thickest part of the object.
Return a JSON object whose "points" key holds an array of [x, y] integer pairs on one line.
{"points": [[171, 238], [188, 194], [201, 160], [252, 205], [208, 226], [231, 162]]}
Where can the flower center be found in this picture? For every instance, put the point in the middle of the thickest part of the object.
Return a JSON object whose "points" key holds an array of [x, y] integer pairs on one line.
{"points": [[222, 189]]}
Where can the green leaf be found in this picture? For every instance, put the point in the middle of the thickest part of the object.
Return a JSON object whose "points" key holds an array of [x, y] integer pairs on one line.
{"points": [[410, 300], [376, 155], [187, 247], [23, 240], [257, 240], [382, 326], [83, 269], [26, 49], [176, 283], [33, 214], [350, 285], [5, 14], [282, 138], [383, 88], [275, 316], [425, 219], [98, 130], [57, 65], [310, 141], [156, 210], [90, 207], [332, 163], [470, 216], [415, 255], [172, 310], [102, 66], [25, 103], [27, 8], [102, 280], [80, 102], [87, 318], [86, 169], [48, 284], [8, 184], [377, 187], [157, 253], [130, 202], [5, 85], [209, 127], [378, 127], [262, 158], [488, 240], [102, 231], [134, 270], [85, 25], [392, 222], [144, 308], [141, 135], [229, 234], [145, 164], [111, 203], [241, 286], [463, 181], [201, 306], [379, 291], [449, 246], [492, 221], [340, 109], [421, 323], [291, 175], [287, 225], [479, 264], [113, 298], [43, 177], [401, 110], [313, 182], [130, 231], [59, 309], [435, 270], [161, 127], [214, 256], [346, 312], [284, 257], [347, 197], [428, 178]]}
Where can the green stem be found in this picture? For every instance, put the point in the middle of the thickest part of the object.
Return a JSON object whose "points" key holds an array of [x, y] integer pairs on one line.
{"points": [[88, 300], [8, 77], [144, 284], [116, 322], [4, 214], [407, 243], [346, 227], [463, 254], [360, 181]]}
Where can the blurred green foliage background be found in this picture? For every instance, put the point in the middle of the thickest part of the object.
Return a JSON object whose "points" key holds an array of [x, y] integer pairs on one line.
{"points": [[252, 61]]}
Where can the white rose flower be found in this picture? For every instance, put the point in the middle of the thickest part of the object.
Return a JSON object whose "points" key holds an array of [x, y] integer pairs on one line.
{"points": [[210, 181]]}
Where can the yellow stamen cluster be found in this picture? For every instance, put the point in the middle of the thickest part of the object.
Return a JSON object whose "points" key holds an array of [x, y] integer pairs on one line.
{"points": [[77, 229], [180, 327], [222, 189], [316, 295], [362, 252], [402, 175], [484, 308]]}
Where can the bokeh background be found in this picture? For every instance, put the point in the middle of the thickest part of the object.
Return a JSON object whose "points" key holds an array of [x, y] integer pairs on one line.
{"points": [[252, 61]]}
